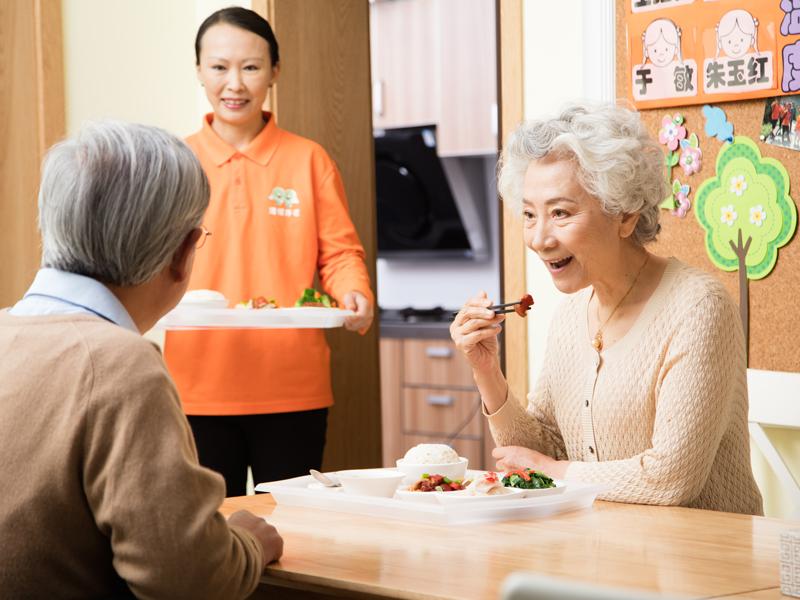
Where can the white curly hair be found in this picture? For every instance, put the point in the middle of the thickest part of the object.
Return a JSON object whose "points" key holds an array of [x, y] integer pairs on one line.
{"points": [[617, 160]]}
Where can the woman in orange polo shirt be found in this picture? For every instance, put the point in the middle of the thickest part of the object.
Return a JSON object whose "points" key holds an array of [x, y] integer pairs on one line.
{"points": [[279, 215]]}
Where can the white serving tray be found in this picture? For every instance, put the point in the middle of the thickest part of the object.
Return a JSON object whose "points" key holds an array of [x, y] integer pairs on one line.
{"points": [[300, 491], [310, 317]]}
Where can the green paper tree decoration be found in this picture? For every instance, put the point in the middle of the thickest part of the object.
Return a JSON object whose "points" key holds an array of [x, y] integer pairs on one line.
{"points": [[747, 214]]}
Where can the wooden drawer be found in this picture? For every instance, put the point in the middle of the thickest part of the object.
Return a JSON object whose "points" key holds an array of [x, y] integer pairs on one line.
{"points": [[441, 412], [434, 363], [471, 449]]}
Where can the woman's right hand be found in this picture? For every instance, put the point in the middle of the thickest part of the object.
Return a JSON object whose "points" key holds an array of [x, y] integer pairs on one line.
{"points": [[474, 331]]}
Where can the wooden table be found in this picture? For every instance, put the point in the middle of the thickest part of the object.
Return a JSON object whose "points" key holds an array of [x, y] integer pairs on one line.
{"points": [[677, 552]]}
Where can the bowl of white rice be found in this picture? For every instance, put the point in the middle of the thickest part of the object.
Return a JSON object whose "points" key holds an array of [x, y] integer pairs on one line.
{"points": [[433, 459], [203, 299]]}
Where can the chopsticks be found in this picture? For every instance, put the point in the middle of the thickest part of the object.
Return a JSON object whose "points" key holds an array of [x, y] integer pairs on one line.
{"points": [[507, 304], [500, 309], [508, 307]]}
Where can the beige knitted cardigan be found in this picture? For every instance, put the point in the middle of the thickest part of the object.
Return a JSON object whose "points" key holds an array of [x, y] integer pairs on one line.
{"points": [[661, 415]]}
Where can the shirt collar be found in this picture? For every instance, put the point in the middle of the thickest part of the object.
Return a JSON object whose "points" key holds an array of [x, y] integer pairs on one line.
{"points": [[260, 150], [83, 292]]}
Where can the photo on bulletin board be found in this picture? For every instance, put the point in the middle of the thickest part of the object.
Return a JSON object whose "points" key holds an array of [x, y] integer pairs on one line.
{"points": [[781, 123]]}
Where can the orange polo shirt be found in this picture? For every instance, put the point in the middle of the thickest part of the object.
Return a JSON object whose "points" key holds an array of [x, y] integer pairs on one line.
{"points": [[278, 214]]}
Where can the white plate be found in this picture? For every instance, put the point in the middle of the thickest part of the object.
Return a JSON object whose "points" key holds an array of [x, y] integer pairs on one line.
{"points": [[422, 497], [467, 497], [459, 497], [305, 317], [559, 489], [316, 485]]}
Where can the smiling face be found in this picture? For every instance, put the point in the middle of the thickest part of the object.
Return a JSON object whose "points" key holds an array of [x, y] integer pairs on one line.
{"points": [[736, 43], [567, 228], [661, 52], [236, 72]]}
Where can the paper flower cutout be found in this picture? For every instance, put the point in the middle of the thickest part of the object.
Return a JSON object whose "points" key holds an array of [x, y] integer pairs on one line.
{"points": [[672, 131], [729, 215], [678, 202], [691, 155], [738, 185], [746, 184], [757, 215], [717, 124], [682, 203]]}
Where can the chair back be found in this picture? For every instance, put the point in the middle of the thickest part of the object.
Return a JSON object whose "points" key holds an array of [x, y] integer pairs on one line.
{"points": [[534, 586]]}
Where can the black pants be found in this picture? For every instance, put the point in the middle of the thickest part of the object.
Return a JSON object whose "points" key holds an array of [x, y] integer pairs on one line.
{"points": [[275, 446]]}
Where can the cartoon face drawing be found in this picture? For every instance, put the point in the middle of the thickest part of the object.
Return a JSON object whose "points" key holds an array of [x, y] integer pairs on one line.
{"points": [[736, 43], [737, 32], [661, 53], [661, 42]]}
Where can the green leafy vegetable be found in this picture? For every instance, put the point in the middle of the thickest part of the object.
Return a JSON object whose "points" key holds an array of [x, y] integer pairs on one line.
{"points": [[312, 297], [528, 479]]}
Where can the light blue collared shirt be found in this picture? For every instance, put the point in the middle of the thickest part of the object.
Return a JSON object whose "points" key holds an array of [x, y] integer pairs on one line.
{"points": [[55, 292]]}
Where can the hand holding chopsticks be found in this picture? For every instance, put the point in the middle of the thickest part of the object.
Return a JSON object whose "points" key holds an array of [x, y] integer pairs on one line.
{"points": [[521, 307], [474, 331]]}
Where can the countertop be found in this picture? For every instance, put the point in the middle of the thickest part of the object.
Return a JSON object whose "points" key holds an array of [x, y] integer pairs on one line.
{"points": [[416, 323]]}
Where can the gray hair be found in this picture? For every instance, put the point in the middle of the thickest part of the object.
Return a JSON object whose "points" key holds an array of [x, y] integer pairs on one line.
{"points": [[117, 200], [617, 161]]}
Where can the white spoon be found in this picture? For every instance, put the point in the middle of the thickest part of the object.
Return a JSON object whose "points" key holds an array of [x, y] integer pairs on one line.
{"points": [[327, 481]]}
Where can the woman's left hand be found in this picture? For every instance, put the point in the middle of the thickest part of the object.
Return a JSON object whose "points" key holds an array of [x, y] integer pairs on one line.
{"points": [[512, 458], [358, 303]]}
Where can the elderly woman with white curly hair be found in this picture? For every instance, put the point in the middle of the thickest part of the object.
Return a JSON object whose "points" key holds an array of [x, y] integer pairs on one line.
{"points": [[643, 385], [103, 495]]}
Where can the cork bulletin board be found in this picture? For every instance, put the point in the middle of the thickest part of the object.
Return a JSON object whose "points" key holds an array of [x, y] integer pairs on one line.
{"points": [[775, 299]]}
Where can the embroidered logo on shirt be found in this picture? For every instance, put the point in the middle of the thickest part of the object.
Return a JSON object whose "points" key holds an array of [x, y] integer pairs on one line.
{"points": [[286, 202]]}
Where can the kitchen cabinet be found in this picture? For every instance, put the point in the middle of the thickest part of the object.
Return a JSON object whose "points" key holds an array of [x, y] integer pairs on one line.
{"points": [[434, 61], [429, 397]]}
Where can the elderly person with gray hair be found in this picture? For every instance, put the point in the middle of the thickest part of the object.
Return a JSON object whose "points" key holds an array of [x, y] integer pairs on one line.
{"points": [[643, 385], [102, 492]]}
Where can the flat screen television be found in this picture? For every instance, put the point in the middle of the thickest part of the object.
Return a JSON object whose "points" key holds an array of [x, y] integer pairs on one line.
{"points": [[418, 215]]}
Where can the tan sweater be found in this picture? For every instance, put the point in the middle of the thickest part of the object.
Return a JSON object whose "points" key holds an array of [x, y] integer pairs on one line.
{"points": [[661, 415], [100, 481]]}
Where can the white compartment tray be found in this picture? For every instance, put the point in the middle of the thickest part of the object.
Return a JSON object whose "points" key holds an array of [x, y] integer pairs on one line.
{"points": [[298, 492], [311, 317]]}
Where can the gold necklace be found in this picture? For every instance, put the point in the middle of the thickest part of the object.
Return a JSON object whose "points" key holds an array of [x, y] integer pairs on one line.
{"points": [[597, 342]]}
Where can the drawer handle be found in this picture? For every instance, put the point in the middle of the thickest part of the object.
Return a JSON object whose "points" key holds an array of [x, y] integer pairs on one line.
{"points": [[438, 352], [440, 400]]}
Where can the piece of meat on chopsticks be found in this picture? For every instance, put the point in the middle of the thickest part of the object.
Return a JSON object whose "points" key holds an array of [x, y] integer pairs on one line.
{"points": [[521, 306]]}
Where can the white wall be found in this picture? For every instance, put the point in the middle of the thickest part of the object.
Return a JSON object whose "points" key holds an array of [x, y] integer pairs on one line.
{"points": [[583, 31], [134, 60]]}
